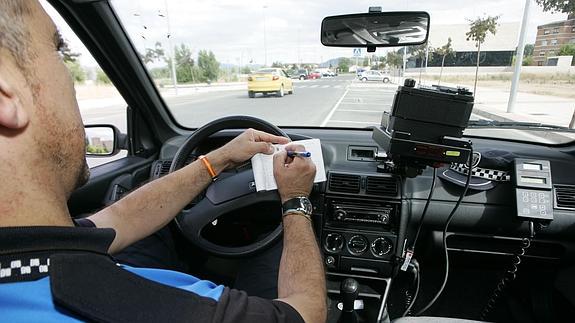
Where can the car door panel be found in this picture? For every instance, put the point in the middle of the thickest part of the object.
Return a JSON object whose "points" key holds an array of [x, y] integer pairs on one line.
{"points": [[95, 193]]}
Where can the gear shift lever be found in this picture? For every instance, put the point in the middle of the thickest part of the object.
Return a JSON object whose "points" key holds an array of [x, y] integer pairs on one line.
{"points": [[349, 289]]}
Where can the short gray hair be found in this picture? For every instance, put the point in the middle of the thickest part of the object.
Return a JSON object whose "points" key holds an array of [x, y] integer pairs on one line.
{"points": [[14, 33]]}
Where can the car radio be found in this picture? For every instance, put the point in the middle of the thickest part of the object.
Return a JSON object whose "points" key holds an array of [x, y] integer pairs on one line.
{"points": [[378, 214], [354, 213]]}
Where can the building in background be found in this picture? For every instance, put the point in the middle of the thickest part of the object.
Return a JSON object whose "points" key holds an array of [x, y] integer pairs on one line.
{"points": [[550, 38], [497, 50]]}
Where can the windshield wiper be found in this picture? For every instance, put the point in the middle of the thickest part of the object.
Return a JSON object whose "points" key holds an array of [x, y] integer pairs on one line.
{"points": [[515, 125]]}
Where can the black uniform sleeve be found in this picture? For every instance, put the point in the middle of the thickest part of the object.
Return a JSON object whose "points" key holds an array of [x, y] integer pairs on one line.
{"points": [[93, 287], [236, 306]]}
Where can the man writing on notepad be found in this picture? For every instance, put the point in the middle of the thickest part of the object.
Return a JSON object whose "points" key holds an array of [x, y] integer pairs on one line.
{"points": [[42, 141]]}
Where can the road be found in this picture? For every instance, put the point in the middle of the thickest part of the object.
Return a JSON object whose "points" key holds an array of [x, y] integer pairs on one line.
{"points": [[311, 104], [341, 101]]}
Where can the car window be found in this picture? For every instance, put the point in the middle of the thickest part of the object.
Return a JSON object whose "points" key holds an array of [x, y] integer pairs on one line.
{"points": [[98, 99], [210, 60], [266, 70]]}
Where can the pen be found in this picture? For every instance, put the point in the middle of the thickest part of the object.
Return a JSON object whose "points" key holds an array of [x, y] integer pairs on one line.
{"points": [[299, 153]]}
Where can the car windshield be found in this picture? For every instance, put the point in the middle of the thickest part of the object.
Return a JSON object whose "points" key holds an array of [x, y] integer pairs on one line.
{"points": [[207, 57]]}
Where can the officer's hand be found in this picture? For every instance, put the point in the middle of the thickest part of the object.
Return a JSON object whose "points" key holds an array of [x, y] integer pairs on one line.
{"points": [[246, 145], [294, 176]]}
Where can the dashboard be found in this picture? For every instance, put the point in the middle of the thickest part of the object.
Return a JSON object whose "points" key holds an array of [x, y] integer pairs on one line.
{"points": [[363, 216]]}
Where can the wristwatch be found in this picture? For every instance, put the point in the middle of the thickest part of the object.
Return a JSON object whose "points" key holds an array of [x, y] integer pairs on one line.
{"points": [[300, 205]]}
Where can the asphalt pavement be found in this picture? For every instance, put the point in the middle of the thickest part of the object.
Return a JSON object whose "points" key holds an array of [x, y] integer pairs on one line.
{"points": [[341, 101], [309, 105]]}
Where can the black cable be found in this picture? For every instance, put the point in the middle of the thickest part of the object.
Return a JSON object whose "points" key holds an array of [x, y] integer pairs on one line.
{"points": [[429, 197], [507, 278], [418, 277], [449, 218], [414, 242]]}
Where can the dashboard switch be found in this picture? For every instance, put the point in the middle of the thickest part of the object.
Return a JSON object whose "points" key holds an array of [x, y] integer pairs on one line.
{"points": [[381, 247], [357, 245], [340, 214], [330, 261], [334, 242]]}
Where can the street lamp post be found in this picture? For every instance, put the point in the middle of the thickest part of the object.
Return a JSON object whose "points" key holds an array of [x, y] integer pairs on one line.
{"points": [[518, 59], [172, 54], [265, 43]]}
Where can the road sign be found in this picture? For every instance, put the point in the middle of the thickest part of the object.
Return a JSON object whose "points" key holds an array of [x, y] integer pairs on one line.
{"points": [[357, 52]]}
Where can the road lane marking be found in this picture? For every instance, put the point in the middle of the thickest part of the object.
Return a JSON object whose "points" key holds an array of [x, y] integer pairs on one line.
{"points": [[326, 120], [325, 86], [313, 86]]}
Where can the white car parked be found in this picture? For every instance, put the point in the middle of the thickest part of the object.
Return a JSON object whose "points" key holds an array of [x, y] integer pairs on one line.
{"points": [[374, 76]]}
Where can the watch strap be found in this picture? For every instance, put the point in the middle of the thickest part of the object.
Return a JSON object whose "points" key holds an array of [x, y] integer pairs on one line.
{"points": [[296, 212], [300, 205]]}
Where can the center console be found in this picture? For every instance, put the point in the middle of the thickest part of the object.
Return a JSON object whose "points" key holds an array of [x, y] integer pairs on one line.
{"points": [[360, 239]]}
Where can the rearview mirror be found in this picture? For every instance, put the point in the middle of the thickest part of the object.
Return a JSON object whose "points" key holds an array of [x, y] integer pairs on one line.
{"points": [[101, 140], [376, 29]]}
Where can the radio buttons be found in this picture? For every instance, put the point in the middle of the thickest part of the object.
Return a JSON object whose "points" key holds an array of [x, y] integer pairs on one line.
{"points": [[357, 245], [381, 247], [333, 242]]}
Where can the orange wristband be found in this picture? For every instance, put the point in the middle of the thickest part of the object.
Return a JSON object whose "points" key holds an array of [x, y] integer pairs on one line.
{"points": [[209, 167]]}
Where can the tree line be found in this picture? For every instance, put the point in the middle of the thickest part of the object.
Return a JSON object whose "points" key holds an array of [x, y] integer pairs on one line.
{"points": [[77, 72], [204, 68]]}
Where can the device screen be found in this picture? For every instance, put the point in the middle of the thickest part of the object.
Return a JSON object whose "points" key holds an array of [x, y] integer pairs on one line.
{"points": [[528, 166], [534, 180]]}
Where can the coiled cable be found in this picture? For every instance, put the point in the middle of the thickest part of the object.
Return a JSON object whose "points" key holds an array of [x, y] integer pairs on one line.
{"points": [[509, 276]]}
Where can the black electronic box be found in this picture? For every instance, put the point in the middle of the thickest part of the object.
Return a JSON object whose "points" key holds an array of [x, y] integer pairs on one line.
{"points": [[425, 125], [533, 189]]}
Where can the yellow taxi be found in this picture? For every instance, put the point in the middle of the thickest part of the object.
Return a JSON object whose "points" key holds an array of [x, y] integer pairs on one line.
{"points": [[269, 81]]}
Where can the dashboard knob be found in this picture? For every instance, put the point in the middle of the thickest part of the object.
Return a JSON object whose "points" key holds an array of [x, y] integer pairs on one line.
{"points": [[381, 247], [334, 242], [384, 218], [340, 214], [329, 260], [357, 245]]}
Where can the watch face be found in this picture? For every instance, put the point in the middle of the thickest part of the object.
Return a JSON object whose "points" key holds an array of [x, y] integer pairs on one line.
{"points": [[306, 204]]}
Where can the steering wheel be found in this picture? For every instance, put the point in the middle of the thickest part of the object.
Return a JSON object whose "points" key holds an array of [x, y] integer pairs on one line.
{"points": [[227, 194]]}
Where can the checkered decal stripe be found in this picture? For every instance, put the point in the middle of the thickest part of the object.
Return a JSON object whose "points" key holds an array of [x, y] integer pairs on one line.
{"points": [[23, 269], [490, 174]]}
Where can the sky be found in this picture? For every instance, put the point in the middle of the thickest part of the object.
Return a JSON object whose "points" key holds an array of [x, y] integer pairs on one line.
{"points": [[260, 31]]}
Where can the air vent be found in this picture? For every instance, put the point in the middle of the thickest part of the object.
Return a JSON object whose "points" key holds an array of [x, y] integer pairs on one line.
{"points": [[565, 197], [344, 183], [161, 168], [382, 186]]}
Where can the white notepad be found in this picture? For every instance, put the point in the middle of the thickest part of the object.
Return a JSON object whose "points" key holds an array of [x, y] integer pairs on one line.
{"points": [[263, 165]]}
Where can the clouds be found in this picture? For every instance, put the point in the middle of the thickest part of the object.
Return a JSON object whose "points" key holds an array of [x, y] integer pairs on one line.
{"points": [[234, 29]]}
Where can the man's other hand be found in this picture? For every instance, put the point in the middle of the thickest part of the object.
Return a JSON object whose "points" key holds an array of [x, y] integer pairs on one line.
{"points": [[294, 176], [246, 145]]}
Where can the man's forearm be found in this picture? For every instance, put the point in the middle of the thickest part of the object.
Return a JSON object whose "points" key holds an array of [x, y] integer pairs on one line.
{"points": [[301, 281], [153, 205]]}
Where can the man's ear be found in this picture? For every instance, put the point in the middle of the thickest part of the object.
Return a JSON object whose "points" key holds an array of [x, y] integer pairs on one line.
{"points": [[12, 113]]}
